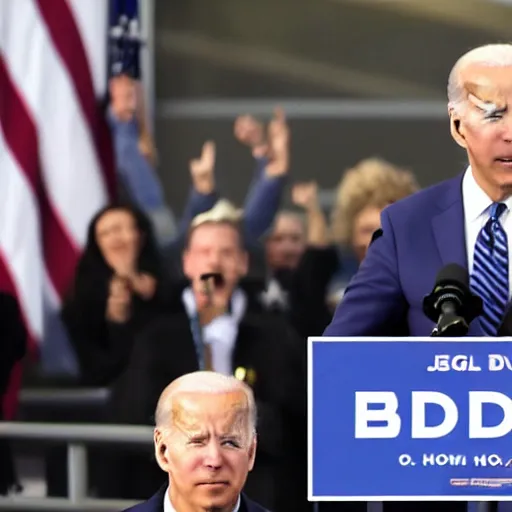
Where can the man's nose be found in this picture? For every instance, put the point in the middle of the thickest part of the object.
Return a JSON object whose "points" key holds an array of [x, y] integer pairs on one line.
{"points": [[213, 456], [507, 132], [215, 259]]}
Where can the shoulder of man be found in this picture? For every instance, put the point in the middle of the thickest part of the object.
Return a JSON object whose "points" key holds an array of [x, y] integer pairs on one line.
{"points": [[154, 504], [424, 197], [252, 506], [413, 212]]}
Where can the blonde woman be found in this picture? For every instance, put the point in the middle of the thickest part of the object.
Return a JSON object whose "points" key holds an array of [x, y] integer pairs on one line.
{"points": [[364, 191]]}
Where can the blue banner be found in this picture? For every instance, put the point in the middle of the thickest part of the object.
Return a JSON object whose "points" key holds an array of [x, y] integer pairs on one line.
{"points": [[412, 417]]}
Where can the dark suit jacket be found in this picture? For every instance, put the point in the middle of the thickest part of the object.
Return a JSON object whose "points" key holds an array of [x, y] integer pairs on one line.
{"points": [[421, 234], [156, 504], [165, 350]]}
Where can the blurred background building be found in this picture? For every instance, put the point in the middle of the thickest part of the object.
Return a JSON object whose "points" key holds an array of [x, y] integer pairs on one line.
{"points": [[356, 78]]}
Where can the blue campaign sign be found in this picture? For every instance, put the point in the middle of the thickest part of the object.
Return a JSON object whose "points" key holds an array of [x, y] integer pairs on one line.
{"points": [[422, 418]]}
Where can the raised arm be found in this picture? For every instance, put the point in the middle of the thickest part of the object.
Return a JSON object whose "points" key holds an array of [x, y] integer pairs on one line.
{"points": [[271, 153], [316, 267], [202, 196]]}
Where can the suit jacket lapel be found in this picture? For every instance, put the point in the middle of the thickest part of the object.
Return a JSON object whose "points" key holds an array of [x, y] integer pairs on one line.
{"points": [[448, 225], [243, 504], [450, 233]]}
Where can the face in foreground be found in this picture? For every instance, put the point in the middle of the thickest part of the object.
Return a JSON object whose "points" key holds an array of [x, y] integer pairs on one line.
{"points": [[366, 223], [117, 236], [210, 450], [484, 127]]}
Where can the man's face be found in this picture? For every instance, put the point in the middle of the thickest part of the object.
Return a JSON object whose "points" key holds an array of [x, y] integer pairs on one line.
{"points": [[209, 450], [215, 248], [485, 126], [286, 243]]}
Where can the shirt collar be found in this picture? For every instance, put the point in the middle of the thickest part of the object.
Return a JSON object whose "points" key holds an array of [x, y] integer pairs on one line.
{"points": [[476, 201], [169, 508]]}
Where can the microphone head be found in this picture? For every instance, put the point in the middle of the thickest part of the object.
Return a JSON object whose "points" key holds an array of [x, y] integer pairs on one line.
{"points": [[453, 274], [452, 284]]}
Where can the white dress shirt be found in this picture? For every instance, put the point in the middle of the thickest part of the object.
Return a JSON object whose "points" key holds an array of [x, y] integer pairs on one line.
{"points": [[476, 213], [169, 508], [221, 332]]}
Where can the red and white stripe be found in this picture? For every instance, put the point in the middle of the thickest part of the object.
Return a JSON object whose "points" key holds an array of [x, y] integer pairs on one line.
{"points": [[56, 166]]}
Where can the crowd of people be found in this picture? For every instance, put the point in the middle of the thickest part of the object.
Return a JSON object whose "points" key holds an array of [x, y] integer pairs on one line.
{"points": [[238, 291], [138, 314]]}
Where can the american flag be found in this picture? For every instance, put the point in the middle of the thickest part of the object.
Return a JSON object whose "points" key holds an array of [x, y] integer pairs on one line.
{"points": [[56, 163]]}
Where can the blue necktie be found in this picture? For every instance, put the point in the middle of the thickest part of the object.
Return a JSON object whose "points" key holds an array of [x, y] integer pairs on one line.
{"points": [[203, 351], [489, 278], [195, 327]]}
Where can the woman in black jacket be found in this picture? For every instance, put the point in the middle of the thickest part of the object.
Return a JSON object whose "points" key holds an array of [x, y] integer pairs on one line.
{"points": [[118, 287]]}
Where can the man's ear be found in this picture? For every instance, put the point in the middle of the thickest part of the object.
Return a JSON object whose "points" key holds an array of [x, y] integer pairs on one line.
{"points": [[252, 452], [457, 129], [161, 454]]}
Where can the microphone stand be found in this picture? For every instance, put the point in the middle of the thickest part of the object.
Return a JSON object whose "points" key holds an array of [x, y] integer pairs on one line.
{"points": [[450, 325]]}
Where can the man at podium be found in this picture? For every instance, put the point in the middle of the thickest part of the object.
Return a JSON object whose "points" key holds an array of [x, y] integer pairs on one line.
{"points": [[465, 220]]}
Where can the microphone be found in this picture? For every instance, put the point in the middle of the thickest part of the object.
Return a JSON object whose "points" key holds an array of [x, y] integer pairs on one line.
{"points": [[451, 304]]}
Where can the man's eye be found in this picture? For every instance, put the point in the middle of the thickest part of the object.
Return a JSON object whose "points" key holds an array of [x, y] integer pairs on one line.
{"points": [[495, 116], [231, 442]]}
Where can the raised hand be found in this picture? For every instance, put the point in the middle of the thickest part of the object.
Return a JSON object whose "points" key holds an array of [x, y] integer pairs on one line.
{"points": [[202, 169], [144, 285], [305, 195], [251, 132], [279, 145], [119, 300], [124, 263], [123, 97]]}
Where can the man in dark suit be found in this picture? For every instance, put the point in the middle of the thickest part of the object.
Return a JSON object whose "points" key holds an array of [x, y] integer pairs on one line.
{"points": [[218, 324], [12, 349], [205, 440], [465, 220]]}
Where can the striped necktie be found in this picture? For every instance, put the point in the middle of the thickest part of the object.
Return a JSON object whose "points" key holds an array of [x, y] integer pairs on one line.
{"points": [[489, 278], [203, 350]]}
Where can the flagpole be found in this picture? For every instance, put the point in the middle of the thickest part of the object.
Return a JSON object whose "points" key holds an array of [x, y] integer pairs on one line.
{"points": [[147, 21]]}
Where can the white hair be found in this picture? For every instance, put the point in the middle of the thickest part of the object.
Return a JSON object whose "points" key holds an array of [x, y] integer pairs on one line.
{"points": [[491, 55], [203, 382]]}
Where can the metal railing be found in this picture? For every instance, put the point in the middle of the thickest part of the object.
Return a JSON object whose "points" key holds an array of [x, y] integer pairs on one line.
{"points": [[76, 437], [71, 397]]}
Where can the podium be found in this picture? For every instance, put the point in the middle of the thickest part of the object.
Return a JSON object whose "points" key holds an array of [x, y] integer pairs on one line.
{"points": [[410, 419]]}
